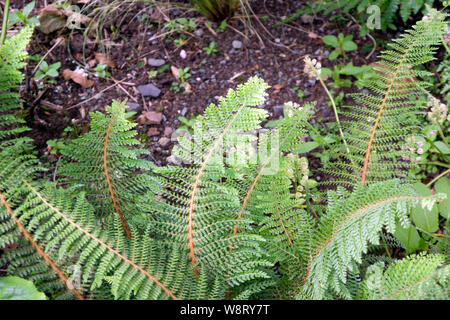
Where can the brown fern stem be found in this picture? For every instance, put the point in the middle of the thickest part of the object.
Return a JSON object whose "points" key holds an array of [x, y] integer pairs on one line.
{"points": [[108, 179], [104, 245], [191, 209], [39, 250], [354, 214]]}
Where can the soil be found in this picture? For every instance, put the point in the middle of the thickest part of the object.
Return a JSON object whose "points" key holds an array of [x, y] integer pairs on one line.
{"points": [[273, 53]]}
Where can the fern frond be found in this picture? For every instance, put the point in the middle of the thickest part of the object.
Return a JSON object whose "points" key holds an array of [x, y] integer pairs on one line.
{"points": [[354, 220], [105, 164], [12, 59], [417, 277], [379, 126], [67, 231], [200, 212]]}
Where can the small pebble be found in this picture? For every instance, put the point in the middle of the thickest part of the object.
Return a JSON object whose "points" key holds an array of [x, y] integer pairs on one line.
{"points": [[236, 44], [183, 54]]}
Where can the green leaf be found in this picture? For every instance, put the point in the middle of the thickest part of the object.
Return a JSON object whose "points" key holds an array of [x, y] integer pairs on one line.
{"points": [[52, 73], [442, 147], [15, 288], [425, 219], [28, 8], [333, 55], [443, 186], [410, 238], [306, 147], [349, 46], [331, 41]]}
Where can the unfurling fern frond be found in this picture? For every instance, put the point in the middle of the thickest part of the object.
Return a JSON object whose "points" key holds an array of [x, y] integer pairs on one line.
{"points": [[196, 209], [417, 277], [105, 164], [352, 222], [66, 233], [380, 124]]}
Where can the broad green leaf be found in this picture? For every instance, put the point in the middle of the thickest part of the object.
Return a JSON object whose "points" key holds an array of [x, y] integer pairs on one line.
{"points": [[425, 219], [306, 147], [410, 238], [349, 46], [443, 186], [331, 41], [442, 147], [333, 55], [15, 288]]}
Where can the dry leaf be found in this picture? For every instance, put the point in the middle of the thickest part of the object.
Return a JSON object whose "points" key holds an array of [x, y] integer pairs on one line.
{"points": [[187, 87], [312, 35], [79, 76], [175, 71], [51, 19], [104, 59]]}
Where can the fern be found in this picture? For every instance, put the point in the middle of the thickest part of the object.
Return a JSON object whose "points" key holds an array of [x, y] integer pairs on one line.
{"points": [[106, 164], [199, 212], [416, 277], [12, 59], [66, 231], [379, 125], [352, 221]]}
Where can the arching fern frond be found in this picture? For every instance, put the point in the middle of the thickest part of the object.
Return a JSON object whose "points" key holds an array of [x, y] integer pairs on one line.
{"points": [[105, 163], [200, 212], [379, 125], [67, 233], [417, 277], [352, 222]]}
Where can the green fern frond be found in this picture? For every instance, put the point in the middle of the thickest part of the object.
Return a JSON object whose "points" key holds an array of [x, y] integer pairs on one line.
{"points": [[67, 233], [352, 222], [105, 163], [12, 59], [196, 209], [380, 124], [417, 277]]}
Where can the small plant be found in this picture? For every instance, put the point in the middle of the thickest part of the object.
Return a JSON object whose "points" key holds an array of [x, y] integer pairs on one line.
{"points": [[341, 44], [182, 76], [223, 25], [211, 49], [24, 16], [48, 71], [101, 71]]}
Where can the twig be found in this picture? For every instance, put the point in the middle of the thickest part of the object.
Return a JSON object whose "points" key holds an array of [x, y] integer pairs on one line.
{"points": [[94, 96], [437, 178], [58, 41]]}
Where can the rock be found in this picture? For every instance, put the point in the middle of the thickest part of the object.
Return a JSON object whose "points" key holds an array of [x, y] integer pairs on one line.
{"points": [[156, 62], [278, 110], [152, 132], [174, 160], [168, 131], [307, 18], [152, 117], [149, 90], [164, 142], [236, 44], [183, 54], [133, 107], [326, 53], [198, 32], [184, 111]]}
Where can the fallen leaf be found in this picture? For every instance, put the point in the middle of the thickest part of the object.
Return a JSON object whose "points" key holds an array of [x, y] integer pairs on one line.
{"points": [[104, 59], [312, 35], [51, 19], [187, 87], [79, 76], [175, 71]]}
